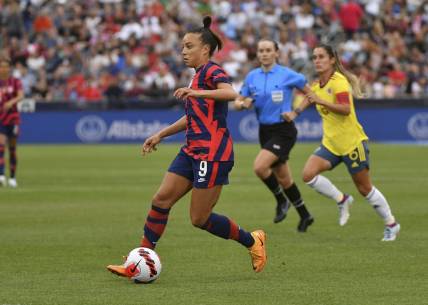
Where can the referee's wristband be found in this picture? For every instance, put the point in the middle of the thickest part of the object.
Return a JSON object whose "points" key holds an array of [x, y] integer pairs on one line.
{"points": [[298, 111]]}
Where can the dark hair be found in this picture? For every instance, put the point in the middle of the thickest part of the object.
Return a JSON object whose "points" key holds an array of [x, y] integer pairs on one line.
{"points": [[352, 78], [207, 36], [275, 44]]}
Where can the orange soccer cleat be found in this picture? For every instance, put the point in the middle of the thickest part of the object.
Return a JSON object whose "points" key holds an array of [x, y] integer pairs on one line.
{"points": [[119, 270], [258, 250]]}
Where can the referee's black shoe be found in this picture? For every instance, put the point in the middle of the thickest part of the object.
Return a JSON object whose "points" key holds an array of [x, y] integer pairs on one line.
{"points": [[281, 211], [304, 223]]}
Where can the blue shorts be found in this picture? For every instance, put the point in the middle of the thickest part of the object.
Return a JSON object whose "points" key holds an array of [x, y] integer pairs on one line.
{"points": [[9, 131], [355, 161], [203, 174]]}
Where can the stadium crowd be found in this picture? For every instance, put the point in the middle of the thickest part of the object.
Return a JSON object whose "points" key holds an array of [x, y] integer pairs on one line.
{"points": [[92, 50]]}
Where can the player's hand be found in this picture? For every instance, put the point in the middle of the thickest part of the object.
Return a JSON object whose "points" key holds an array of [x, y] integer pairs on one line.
{"points": [[184, 93], [150, 144], [238, 104], [313, 98], [289, 116]]}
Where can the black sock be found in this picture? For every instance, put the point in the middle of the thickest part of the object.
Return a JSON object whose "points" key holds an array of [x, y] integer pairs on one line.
{"points": [[272, 183], [293, 194]]}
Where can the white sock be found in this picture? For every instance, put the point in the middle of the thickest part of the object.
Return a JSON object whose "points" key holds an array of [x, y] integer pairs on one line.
{"points": [[378, 201], [324, 186]]}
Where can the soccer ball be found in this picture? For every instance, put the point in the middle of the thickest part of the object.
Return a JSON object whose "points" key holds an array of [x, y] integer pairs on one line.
{"points": [[143, 265]]}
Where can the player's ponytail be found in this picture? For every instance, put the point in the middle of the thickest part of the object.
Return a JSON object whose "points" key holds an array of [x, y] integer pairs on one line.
{"points": [[207, 36], [207, 22], [352, 78]]}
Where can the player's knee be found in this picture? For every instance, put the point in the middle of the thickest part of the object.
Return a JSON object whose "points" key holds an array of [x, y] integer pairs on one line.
{"points": [[162, 201], [308, 176], [260, 170], [285, 182], [198, 220], [364, 189]]}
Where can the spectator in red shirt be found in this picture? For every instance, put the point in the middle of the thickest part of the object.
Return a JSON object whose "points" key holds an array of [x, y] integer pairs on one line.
{"points": [[91, 92], [43, 22], [350, 15], [397, 76]]}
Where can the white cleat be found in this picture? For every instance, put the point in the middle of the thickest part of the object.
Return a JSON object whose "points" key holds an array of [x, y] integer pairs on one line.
{"points": [[3, 181], [12, 183], [390, 233], [344, 209]]}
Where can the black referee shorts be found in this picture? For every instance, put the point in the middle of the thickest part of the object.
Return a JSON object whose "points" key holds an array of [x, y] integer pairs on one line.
{"points": [[278, 139]]}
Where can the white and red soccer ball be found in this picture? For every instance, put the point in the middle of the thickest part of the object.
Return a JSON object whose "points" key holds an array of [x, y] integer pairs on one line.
{"points": [[143, 265]]}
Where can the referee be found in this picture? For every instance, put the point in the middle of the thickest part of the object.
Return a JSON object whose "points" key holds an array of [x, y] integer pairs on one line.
{"points": [[269, 89]]}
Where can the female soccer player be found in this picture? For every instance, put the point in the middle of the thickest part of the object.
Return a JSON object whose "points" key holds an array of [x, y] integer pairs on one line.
{"points": [[269, 89], [10, 94], [204, 162], [343, 139]]}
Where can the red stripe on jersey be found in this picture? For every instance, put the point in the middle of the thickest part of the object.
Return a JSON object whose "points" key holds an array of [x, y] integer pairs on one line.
{"points": [[210, 83], [210, 79], [215, 142], [206, 120], [227, 151], [199, 156], [11, 119], [194, 126], [187, 150], [214, 68], [213, 174], [208, 76], [193, 123], [199, 143], [343, 98]]}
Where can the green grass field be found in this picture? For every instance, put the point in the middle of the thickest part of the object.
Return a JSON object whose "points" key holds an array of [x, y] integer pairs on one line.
{"points": [[80, 208]]}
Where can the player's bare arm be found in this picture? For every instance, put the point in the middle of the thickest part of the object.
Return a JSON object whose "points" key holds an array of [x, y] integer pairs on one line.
{"points": [[224, 92], [290, 116], [152, 141]]}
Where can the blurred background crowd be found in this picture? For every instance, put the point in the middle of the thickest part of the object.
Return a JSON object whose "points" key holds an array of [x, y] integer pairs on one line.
{"points": [[93, 50]]}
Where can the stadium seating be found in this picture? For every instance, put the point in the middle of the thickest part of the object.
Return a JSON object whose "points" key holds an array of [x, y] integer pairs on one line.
{"points": [[88, 51]]}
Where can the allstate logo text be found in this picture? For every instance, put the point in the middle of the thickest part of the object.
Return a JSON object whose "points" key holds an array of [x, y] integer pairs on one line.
{"points": [[92, 129]]}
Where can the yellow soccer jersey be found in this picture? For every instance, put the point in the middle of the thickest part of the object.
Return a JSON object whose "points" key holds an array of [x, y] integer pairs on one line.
{"points": [[341, 133]]}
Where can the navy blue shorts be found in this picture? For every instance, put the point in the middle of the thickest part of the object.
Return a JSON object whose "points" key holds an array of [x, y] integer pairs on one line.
{"points": [[9, 131], [355, 161], [203, 174]]}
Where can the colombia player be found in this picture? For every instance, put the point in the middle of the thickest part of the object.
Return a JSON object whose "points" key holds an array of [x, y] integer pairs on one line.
{"points": [[10, 94], [203, 164], [343, 139]]}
